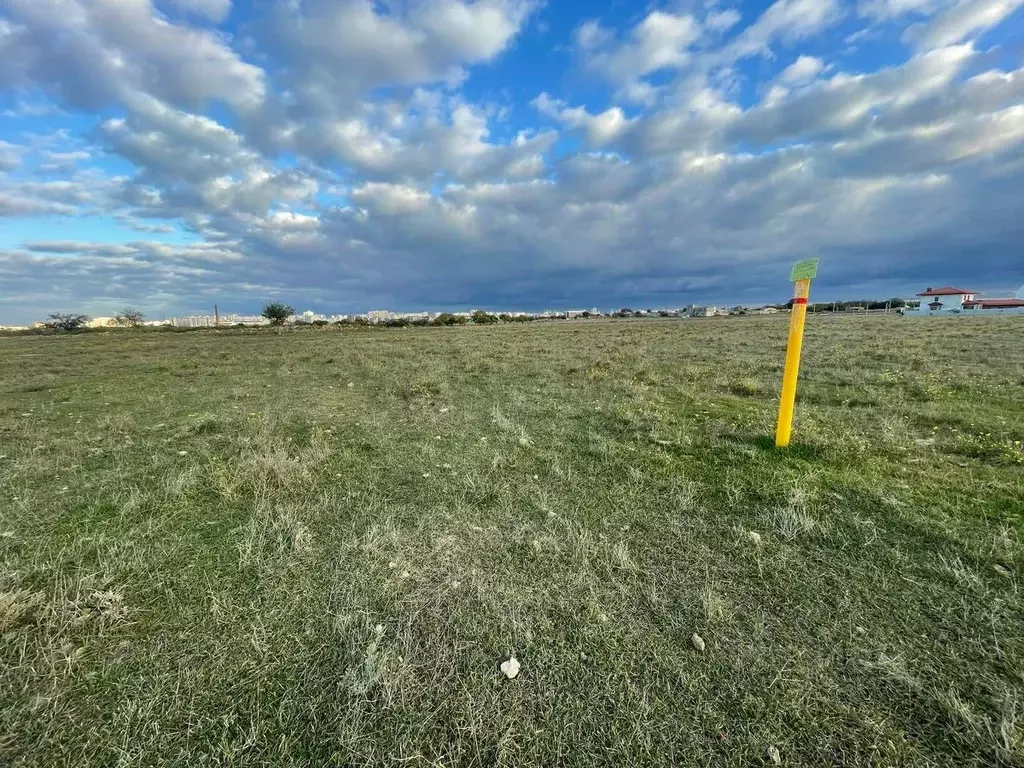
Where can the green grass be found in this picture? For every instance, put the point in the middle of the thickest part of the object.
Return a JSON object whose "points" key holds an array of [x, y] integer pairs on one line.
{"points": [[316, 547]]}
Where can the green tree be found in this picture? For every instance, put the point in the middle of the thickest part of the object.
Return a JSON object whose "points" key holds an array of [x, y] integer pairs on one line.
{"points": [[277, 312], [447, 318], [59, 321], [483, 318]]}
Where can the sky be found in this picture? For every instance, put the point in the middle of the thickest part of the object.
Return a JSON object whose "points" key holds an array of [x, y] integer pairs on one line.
{"points": [[347, 155]]}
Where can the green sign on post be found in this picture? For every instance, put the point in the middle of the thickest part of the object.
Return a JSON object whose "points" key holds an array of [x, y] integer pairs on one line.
{"points": [[805, 270]]}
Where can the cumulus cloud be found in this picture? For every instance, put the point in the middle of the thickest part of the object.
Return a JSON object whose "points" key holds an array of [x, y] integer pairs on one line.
{"points": [[963, 21], [428, 135], [785, 21], [341, 49], [661, 41], [599, 130], [92, 53], [800, 71], [720, 21]]}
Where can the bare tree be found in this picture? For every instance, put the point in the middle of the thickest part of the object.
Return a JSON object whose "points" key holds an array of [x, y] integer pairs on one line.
{"points": [[59, 321], [129, 317]]}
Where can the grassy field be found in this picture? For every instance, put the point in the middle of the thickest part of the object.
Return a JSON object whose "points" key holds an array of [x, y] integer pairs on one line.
{"points": [[316, 547]]}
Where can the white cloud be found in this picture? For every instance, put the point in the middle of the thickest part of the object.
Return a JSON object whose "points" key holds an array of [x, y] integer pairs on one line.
{"points": [[10, 156], [429, 135], [721, 21], [661, 41], [214, 10], [786, 21], [884, 10], [341, 49], [600, 129], [963, 21], [15, 205], [800, 71], [390, 198], [90, 53]]}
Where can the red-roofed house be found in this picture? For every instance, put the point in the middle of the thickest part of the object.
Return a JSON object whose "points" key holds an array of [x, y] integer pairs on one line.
{"points": [[946, 298], [953, 300]]}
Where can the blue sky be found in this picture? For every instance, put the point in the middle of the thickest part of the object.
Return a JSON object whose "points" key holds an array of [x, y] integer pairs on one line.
{"points": [[344, 155]]}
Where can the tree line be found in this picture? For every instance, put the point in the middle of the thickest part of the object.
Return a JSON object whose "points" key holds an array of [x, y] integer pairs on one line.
{"points": [[129, 317], [278, 313]]}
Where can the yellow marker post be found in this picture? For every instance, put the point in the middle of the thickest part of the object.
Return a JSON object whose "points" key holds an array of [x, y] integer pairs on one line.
{"points": [[803, 272]]}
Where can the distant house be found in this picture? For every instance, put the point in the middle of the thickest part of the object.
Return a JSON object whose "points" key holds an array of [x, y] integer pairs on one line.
{"points": [[704, 311], [952, 300], [945, 299]]}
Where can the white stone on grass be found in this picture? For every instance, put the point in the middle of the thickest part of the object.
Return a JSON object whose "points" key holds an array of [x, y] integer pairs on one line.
{"points": [[698, 642], [511, 668]]}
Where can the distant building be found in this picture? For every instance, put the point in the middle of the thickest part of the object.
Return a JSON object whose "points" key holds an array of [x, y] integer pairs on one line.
{"points": [[952, 300], [945, 299], [704, 311], [995, 304]]}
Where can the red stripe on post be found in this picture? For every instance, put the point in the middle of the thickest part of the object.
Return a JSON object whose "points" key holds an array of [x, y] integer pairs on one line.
{"points": [[800, 300]]}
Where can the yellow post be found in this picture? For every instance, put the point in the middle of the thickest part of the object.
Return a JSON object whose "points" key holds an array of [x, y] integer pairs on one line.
{"points": [[789, 378]]}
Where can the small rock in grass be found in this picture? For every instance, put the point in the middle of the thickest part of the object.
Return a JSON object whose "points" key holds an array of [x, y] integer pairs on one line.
{"points": [[392, 564], [698, 642], [183, 453], [406, 574], [456, 584], [510, 668], [860, 630], [774, 756], [1002, 570], [755, 538], [350, 385]]}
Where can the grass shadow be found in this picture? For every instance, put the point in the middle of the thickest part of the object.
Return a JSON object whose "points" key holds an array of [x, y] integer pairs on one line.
{"points": [[766, 444]]}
